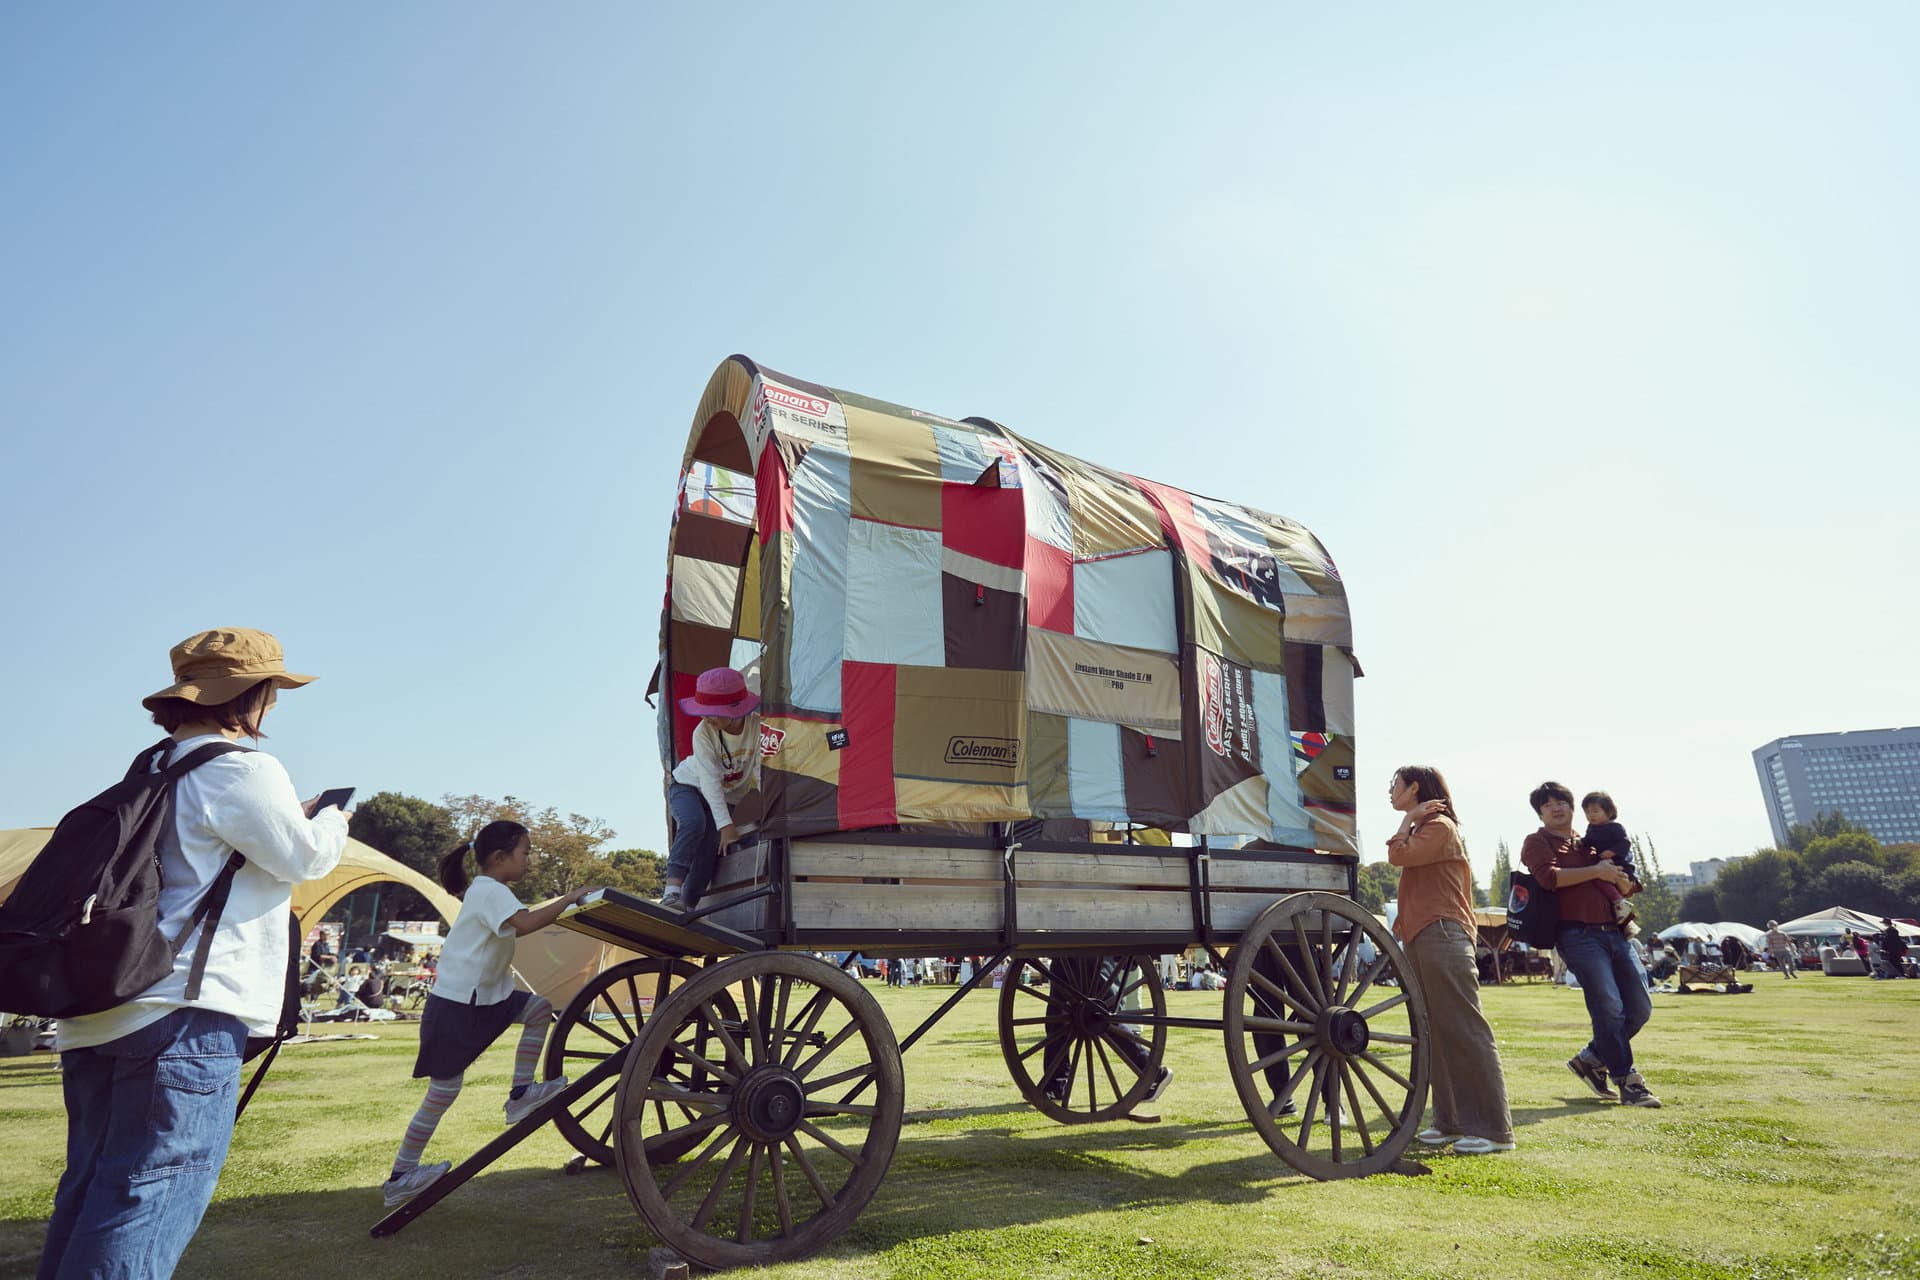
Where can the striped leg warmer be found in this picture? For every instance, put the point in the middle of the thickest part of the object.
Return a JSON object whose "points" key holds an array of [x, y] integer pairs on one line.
{"points": [[537, 1016], [440, 1096]]}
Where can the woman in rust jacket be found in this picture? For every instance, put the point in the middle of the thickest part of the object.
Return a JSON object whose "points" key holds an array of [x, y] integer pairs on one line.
{"points": [[1436, 927]]}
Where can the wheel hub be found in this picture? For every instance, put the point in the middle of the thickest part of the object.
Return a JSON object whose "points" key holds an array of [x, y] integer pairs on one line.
{"points": [[1344, 1031], [769, 1104]]}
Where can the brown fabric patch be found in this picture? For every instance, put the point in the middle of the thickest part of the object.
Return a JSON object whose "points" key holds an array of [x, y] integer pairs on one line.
{"points": [[1306, 705], [985, 627], [696, 648], [723, 443], [1109, 513], [959, 725], [896, 469], [703, 537], [799, 805], [1154, 771]]}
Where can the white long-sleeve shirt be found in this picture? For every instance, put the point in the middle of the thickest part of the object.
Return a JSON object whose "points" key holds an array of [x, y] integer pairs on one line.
{"points": [[723, 766], [242, 801]]}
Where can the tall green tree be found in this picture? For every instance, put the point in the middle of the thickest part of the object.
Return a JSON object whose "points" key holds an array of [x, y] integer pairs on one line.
{"points": [[1830, 851], [1379, 881], [565, 848], [1502, 874], [1760, 887], [1859, 885], [1834, 823], [1700, 904], [414, 833]]}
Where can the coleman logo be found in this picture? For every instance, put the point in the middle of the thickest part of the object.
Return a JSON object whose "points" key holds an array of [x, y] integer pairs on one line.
{"points": [[1213, 703], [812, 406], [771, 740], [1002, 752]]}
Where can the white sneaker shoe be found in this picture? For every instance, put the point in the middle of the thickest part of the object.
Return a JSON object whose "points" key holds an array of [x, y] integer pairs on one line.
{"points": [[526, 1104], [406, 1186], [1479, 1147], [1431, 1137], [1160, 1083], [671, 901]]}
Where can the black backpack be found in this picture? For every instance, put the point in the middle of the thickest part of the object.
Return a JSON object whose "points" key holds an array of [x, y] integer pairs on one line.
{"points": [[81, 932], [1533, 911]]}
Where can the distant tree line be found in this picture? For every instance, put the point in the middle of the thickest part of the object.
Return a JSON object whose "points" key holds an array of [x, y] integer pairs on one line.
{"points": [[569, 851], [1829, 862]]}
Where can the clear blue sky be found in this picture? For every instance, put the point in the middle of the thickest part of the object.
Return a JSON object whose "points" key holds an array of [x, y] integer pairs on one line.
{"points": [[1583, 337]]}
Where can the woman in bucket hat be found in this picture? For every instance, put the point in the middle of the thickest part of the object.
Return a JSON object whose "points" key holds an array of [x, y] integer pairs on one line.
{"points": [[151, 1086], [722, 768]]}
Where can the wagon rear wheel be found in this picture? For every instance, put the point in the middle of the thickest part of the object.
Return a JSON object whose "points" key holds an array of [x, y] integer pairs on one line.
{"points": [[604, 1017], [1067, 1038], [1329, 1050], [789, 1113]]}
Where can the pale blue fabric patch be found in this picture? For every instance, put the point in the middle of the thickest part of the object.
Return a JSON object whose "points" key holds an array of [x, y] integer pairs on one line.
{"points": [[1095, 781], [1292, 825], [1126, 600], [822, 509], [894, 608]]}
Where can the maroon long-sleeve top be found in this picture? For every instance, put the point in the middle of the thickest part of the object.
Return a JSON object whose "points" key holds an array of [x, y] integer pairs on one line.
{"points": [[1546, 855]]}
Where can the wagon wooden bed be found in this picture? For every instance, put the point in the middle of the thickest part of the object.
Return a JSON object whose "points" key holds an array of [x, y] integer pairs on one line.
{"points": [[1074, 766]]}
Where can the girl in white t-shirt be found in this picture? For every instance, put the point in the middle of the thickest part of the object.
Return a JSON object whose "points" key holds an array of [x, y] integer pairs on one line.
{"points": [[473, 998]]}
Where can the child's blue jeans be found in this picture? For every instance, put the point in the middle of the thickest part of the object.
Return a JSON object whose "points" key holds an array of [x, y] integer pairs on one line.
{"points": [[696, 841]]}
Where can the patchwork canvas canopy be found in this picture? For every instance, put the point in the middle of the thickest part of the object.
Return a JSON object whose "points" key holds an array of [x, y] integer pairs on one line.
{"points": [[953, 623]]}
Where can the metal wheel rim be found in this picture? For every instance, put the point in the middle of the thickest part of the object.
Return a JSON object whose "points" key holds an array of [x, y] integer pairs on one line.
{"points": [[827, 1166], [1090, 1057], [577, 1041], [1380, 1092]]}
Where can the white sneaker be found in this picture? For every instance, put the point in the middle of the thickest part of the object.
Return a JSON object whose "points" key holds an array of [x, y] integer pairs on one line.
{"points": [[1431, 1137], [526, 1104], [1160, 1083], [671, 901], [1479, 1147], [406, 1186]]}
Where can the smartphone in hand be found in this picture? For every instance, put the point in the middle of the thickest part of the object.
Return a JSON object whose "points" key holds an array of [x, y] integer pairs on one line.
{"points": [[335, 798]]}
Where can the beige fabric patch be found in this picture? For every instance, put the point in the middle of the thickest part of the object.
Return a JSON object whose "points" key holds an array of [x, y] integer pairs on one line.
{"points": [[704, 592], [1069, 676]]}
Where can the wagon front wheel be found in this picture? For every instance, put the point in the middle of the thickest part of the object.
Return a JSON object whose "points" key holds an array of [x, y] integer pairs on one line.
{"points": [[1083, 1036], [1327, 1037], [790, 1127]]}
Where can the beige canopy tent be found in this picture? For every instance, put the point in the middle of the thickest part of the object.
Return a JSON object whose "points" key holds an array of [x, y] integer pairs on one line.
{"points": [[554, 962]]}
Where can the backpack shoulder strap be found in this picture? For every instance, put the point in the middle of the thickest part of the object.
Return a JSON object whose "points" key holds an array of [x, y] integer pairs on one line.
{"points": [[198, 756], [214, 901]]}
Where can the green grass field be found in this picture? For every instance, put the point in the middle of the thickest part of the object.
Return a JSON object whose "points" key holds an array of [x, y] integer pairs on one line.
{"points": [[1784, 1150]]}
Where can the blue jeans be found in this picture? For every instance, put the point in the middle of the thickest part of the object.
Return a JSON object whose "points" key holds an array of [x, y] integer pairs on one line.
{"points": [[696, 841], [1617, 1001], [149, 1117]]}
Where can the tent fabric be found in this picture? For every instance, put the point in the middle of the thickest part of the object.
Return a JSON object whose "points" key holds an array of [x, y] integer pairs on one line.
{"points": [[1834, 920], [962, 625]]}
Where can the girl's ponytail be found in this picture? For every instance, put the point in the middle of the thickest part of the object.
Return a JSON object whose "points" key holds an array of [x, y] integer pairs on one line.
{"points": [[453, 870]]}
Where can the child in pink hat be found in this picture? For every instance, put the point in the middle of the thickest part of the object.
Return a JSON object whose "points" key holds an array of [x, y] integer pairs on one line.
{"points": [[722, 768]]}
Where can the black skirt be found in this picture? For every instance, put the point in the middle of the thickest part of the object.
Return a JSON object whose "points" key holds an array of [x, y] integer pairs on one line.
{"points": [[453, 1035]]}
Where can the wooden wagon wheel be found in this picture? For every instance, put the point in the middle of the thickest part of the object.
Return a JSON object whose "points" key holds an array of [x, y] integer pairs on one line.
{"points": [[602, 1018], [1065, 1038], [1330, 1053], [796, 1122]]}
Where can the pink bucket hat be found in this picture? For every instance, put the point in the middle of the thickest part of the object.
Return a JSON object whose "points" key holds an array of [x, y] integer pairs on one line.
{"points": [[721, 692]]}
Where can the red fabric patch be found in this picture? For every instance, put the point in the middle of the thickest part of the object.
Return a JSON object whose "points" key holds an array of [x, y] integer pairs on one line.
{"points": [[1049, 587], [1177, 520], [772, 496], [989, 524], [866, 762], [683, 685]]}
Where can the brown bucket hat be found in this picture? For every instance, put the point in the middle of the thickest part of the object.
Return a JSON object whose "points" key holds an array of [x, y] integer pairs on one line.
{"points": [[218, 666]]}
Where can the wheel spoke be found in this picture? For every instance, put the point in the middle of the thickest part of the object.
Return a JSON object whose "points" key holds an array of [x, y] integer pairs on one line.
{"points": [[752, 1037], [1324, 957], [1281, 994], [1299, 1073], [1374, 1060], [1332, 1087], [1353, 1107], [699, 1162], [1350, 954], [600, 1031], [810, 1016], [704, 1064], [1313, 1101], [1383, 1006], [1309, 963], [1278, 1056], [827, 1200], [830, 1142], [594, 1106], [1093, 1088], [1390, 1038], [1064, 1030], [686, 1099], [704, 1213], [865, 1069], [1367, 979], [782, 1205], [777, 1028], [840, 1037], [613, 1007], [1106, 1064], [735, 1054], [633, 995], [1028, 1022], [1073, 1070], [1366, 1082], [745, 1234], [1038, 994], [584, 1053], [1304, 998], [815, 1108]]}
